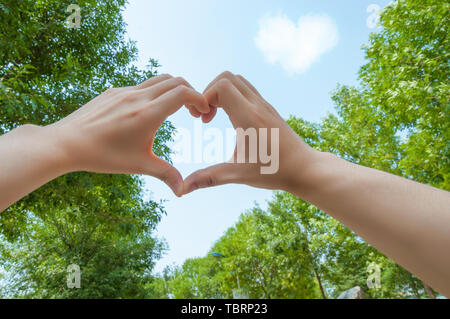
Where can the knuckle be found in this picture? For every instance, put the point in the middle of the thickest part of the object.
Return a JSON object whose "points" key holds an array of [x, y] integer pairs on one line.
{"points": [[165, 76], [227, 75], [207, 179], [210, 181], [136, 114], [142, 114], [180, 81], [182, 90], [127, 97], [224, 84]]}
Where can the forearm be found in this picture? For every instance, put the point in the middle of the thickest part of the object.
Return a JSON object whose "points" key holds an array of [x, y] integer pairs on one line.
{"points": [[405, 220], [30, 157]]}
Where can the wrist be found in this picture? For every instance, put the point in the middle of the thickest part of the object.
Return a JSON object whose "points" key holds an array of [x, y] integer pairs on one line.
{"points": [[54, 148], [313, 175]]}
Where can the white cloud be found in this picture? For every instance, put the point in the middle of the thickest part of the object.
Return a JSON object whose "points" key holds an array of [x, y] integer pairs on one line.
{"points": [[296, 47]]}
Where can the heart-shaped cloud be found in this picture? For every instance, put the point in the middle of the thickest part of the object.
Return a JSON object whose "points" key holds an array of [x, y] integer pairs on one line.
{"points": [[296, 47]]}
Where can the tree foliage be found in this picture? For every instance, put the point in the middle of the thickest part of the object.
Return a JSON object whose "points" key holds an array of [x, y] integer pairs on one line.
{"points": [[265, 257], [100, 222]]}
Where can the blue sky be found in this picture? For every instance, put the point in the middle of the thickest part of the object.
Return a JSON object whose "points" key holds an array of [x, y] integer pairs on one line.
{"points": [[294, 52]]}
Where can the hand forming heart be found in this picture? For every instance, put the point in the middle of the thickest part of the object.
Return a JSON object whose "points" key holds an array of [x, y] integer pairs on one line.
{"points": [[114, 133], [251, 115]]}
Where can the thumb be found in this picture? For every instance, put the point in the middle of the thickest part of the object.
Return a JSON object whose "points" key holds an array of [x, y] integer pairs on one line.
{"points": [[168, 174], [216, 175]]}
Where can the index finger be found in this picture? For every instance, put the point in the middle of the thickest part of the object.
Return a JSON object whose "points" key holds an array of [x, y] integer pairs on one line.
{"points": [[236, 81], [171, 101]]}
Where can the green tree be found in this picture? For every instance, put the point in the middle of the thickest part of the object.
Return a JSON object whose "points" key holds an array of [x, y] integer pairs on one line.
{"points": [[196, 278], [406, 80], [269, 254], [100, 222], [265, 257]]}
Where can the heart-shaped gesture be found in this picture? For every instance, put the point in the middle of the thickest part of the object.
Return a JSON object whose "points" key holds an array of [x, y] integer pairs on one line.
{"points": [[114, 133]]}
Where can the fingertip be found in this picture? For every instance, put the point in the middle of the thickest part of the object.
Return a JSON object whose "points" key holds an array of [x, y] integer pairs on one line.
{"points": [[205, 108], [177, 189], [200, 104], [206, 118], [193, 111], [211, 97], [164, 171]]}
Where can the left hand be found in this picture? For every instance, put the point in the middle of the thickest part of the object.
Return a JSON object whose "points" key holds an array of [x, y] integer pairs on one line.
{"points": [[114, 133]]}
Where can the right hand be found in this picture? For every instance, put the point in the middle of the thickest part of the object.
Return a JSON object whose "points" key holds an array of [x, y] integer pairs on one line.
{"points": [[246, 108]]}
